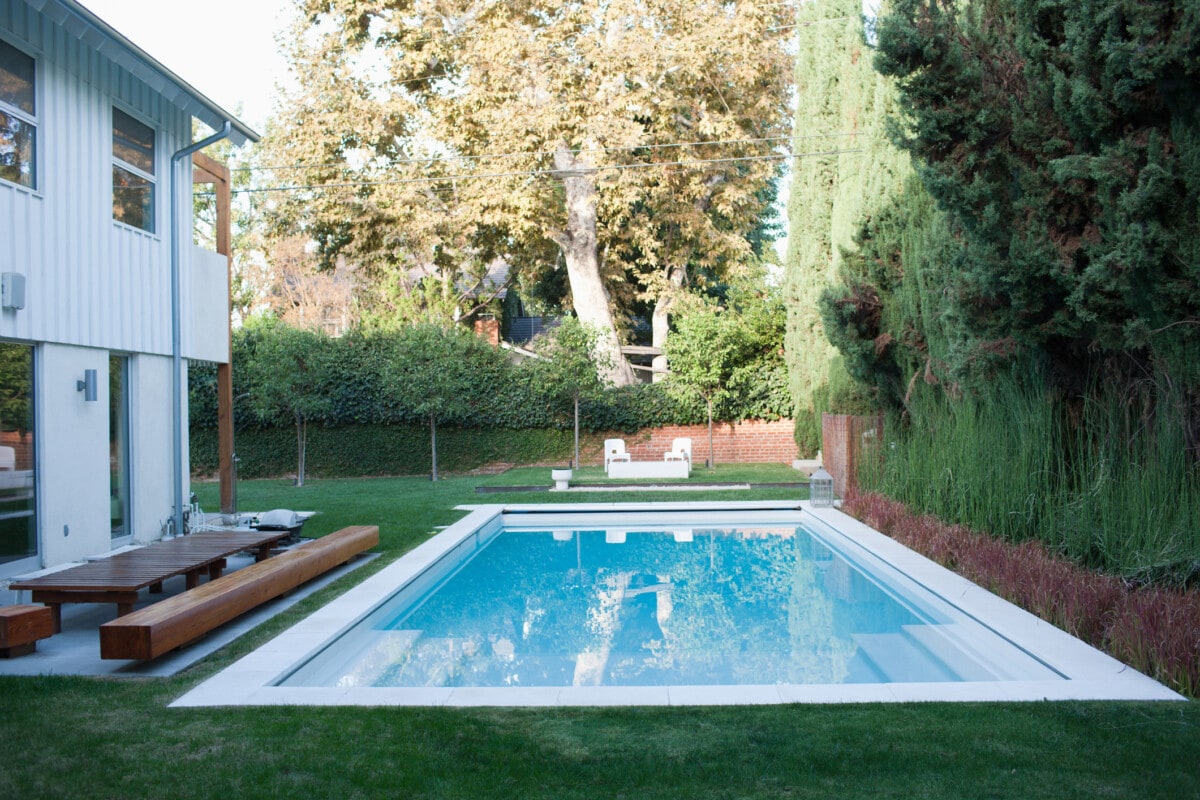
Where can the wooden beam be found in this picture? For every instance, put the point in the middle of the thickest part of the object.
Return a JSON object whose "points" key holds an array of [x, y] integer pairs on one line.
{"points": [[209, 170]]}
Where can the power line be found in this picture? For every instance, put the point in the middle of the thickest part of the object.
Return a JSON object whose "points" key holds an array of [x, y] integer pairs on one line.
{"points": [[537, 173], [520, 153]]}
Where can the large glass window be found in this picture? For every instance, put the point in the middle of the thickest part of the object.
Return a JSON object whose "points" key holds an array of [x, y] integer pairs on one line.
{"points": [[118, 444], [18, 117], [18, 509], [133, 171]]}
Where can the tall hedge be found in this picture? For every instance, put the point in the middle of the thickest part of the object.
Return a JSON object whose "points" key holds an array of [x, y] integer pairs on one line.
{"points": [[842, 109], [505, 397]]}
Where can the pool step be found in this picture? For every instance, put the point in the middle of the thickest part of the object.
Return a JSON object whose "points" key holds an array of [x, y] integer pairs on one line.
{"points": [[943, 643], [918, 653]]}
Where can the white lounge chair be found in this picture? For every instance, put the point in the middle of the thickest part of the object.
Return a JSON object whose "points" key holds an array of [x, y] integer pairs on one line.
{"points": [[681, 450], [614, 450]]}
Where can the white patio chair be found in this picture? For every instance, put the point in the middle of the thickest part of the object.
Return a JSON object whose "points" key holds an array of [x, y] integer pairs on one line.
{"points": [[614, 450], [681, 450]]}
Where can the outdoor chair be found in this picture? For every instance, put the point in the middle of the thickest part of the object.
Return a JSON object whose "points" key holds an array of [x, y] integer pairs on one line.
{"points": [[614, 450], [681, 450]]}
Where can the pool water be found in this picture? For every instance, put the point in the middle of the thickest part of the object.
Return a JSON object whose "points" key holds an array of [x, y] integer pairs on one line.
{"points": [[662, 605]]}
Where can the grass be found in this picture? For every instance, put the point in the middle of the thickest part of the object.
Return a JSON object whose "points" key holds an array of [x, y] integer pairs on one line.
{"points": [[1110, 485], [107, 738]]}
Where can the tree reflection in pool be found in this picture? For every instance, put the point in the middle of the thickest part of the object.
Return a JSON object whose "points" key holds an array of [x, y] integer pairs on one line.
{"points": [[648, 607]]}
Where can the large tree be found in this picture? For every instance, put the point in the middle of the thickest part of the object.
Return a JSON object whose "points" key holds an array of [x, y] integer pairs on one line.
{"points": [[525, 129]]}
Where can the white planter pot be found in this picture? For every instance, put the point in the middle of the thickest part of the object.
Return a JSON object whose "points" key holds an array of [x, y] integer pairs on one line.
{"points": [[561, 478]]}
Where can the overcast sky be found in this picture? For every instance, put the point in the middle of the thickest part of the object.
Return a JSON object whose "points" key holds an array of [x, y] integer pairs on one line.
{"points": [[225, 48]]}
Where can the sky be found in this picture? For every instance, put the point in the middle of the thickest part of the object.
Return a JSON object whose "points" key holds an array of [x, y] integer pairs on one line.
{"points": [[224, 48]]}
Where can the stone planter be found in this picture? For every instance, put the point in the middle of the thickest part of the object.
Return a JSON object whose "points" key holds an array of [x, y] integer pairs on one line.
{"points": [[561, 478]]}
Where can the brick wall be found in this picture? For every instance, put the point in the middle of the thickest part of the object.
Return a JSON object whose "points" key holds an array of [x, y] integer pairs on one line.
{"points": [[753, 441], [22, 446]]}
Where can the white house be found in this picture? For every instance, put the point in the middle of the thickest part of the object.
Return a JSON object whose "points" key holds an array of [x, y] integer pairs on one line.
{"points": [[103, 297]]}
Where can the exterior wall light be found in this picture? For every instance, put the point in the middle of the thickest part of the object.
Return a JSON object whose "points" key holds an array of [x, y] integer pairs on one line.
{"points": [[87, 385]]}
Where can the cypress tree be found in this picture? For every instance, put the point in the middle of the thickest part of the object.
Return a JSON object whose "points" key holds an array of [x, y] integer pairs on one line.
{"points": [[842, 108]]}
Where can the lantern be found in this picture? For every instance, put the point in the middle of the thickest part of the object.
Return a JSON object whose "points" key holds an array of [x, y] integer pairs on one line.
{"points": [[820, 489]]}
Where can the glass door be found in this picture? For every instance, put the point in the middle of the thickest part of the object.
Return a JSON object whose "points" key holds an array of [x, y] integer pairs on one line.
{"points": [[18, 502], [118, 444]]}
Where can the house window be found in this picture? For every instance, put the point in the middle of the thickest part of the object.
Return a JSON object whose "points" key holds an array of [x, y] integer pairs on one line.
{"points": [[18, 117], [133, 171]]}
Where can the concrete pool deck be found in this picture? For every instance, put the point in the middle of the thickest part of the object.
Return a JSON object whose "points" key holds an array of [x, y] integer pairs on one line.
{"points": [[1088, 674]]}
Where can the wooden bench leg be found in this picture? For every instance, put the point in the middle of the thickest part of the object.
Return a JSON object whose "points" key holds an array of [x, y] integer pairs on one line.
{"points": [[215, 568], [124, 608], [156, 588], [56, 612], [192, 579], [18, 650]]}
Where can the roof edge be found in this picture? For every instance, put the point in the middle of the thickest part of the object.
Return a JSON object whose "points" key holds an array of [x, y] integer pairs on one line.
{"points": [[131, 57]]}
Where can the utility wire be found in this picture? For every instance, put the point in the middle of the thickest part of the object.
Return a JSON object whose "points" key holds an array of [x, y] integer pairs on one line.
{"points": [[537, 173], [521, 153]]}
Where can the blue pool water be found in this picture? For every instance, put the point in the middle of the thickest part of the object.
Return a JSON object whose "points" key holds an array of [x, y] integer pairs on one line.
{"points": [[659, 605]]}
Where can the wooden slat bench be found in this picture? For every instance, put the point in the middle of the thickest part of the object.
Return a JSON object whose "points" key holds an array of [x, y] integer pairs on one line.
{"points": [[172, 623], [21, 627]]}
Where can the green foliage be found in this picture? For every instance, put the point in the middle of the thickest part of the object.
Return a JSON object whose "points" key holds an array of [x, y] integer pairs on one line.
{"points": [[365, 450], [373, 377], [842, 105], [1108, 483], [290, 371], [1061, 140]]}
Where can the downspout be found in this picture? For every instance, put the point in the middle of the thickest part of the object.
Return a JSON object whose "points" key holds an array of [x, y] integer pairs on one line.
{"points": [[177, 323]]}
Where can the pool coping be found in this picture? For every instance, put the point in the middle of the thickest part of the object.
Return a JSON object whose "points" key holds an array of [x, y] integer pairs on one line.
{"points": [[1091, 674]]}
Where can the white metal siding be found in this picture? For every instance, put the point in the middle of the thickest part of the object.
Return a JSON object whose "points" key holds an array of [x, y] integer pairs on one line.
{"points": [[90, 281]]}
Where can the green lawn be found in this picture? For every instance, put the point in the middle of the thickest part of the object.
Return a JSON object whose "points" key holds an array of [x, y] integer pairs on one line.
{"points": [[105, 738]]}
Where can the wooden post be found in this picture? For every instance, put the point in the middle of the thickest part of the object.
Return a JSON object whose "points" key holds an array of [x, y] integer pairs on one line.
{"points": [[208, 170]]}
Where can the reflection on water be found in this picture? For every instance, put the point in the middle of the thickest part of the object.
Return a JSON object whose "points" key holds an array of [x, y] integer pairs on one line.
{"points": [[590, 608]]}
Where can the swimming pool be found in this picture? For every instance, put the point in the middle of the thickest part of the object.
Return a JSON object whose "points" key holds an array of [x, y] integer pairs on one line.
{"points": [[687, 603]]}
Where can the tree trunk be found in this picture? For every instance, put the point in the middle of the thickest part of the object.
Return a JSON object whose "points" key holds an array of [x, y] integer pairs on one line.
{"points": [[660, 322], [433, 442], [579, 248], [712, 454], [301, 441], [576, 464]]}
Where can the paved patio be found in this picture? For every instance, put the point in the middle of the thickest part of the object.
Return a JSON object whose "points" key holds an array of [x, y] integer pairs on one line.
{"points": [[76, 651]]}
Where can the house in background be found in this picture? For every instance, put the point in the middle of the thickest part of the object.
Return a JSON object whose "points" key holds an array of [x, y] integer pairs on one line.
{"points": [[103, 297]]}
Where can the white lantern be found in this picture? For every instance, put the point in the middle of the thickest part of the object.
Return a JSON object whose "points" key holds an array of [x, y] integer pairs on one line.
{"points": [[820, 489]]}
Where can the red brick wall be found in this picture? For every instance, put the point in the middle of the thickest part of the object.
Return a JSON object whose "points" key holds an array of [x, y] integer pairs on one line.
{"points": [[753, 441], [23, 445]]}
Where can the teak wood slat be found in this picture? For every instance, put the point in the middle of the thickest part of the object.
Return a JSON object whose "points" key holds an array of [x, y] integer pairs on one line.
{"points": [[172, 623], [118, 579]]}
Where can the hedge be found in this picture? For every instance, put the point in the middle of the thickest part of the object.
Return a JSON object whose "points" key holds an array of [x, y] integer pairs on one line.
{"points": [[508, 396], [370, 450]]}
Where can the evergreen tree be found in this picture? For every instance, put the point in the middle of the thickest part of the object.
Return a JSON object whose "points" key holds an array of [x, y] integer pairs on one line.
{"points": [[842, 105]]}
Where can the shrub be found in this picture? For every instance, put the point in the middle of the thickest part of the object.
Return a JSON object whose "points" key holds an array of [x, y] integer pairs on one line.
{"points": [[1154, 630]]}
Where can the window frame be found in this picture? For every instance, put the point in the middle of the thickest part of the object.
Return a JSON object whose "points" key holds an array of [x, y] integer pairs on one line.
{"points": [[33, 120], [138, 172]]}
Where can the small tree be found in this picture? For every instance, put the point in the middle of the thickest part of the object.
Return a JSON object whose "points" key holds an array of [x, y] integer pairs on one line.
{"points": [[437, 372], [289, 376], [703, 352], [570, 369]]}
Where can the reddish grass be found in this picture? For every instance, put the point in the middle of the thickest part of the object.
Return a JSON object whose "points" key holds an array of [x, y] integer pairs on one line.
{"points": [[1156, 631]]}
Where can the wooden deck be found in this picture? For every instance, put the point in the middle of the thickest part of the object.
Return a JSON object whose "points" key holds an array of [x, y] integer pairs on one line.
{"points": [[119, 578]]}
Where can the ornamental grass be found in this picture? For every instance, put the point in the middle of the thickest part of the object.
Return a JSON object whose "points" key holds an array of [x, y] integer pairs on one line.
{"points": [[1155, 630]]}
